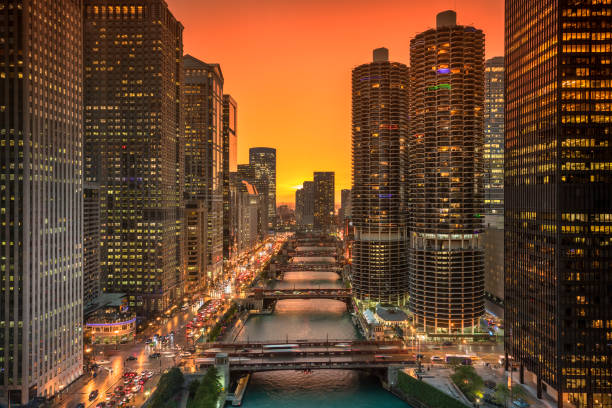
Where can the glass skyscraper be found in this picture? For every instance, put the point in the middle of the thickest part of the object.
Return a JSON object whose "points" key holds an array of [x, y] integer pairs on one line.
{"points": [[558, 195], [263, 161], [203, 109]]}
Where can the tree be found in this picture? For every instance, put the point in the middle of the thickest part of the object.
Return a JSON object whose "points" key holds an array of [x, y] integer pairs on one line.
{"points": [[468, 381], [503, 394], [208, 391]]}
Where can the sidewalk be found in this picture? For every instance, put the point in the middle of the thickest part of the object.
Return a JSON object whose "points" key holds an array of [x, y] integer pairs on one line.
{"points": [[498, 375]]}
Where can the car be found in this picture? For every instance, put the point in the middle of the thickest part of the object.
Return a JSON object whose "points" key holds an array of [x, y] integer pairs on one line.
{"points": [[93, 395], [436, 359], [80, 405], [447, 343], [155, 355], [520, 403], [491, 400], [101, 405], [131, 358]]}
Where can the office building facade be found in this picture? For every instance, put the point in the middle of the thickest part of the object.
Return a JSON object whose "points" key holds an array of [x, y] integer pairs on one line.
{"points": [[493, 156], [230, 165], [558, 184], [446, 166], [380, 166], [41, 198], [203, 107], [324, 200], [91, 242], [134, 147], [263, 161]]}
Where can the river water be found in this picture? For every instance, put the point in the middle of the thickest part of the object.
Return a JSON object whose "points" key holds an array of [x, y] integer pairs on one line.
{"points": [[311, 319]]}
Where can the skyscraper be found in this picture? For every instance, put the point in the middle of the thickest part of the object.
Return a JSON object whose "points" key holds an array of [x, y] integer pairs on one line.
{"points": [[263, 160], [446, 193], [494, 137], [380, 166], [230, 165], [41, 198], [134, 146], [203, 108], [493, 155], [324, 196], [91, 242], [558, 187]]}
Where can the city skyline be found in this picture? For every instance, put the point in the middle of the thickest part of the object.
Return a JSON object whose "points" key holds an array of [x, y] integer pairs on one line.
{"points": [[288, 48], [462, 237]]}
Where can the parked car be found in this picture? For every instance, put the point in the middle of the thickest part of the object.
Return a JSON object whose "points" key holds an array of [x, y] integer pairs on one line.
{"points": [[520, 403], [490, 399], [93, 395]]}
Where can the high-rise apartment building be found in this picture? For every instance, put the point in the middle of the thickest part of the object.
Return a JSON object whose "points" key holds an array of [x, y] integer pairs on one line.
{"points": [[41, 198], [203, 107], [558, 189], [263, 160], [324, 199], [304, 206], [134, 146], [493, 156], [380, 166], [446, 191], [230, 165]]}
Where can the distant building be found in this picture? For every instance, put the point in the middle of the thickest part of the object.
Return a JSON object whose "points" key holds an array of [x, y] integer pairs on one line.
{"points": [[247, 172], [446, 165], [133, 128], [196, 220], [263, 161], [230, 165], [494, 178], [203, 106], [304, 206], [249, 206], [380, 166], [41, 196], [345, 206], [558, 190], [324, 200]]}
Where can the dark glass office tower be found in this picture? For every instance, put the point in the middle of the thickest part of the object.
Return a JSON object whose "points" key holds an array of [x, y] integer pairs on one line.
{"points": [[558, 197], [41, 198], [263, 160], [446, 193], [134, 146], [380, 167]]}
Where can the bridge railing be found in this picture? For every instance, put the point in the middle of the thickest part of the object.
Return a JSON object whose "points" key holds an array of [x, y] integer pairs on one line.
{"points": [[307, 342]]}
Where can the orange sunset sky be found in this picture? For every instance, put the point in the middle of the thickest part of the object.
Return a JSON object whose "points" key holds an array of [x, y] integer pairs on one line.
{"points": [[288, 64]]}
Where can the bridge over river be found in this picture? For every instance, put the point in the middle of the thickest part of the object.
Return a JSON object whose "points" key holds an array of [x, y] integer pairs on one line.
{"points": [[320, 343]]}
